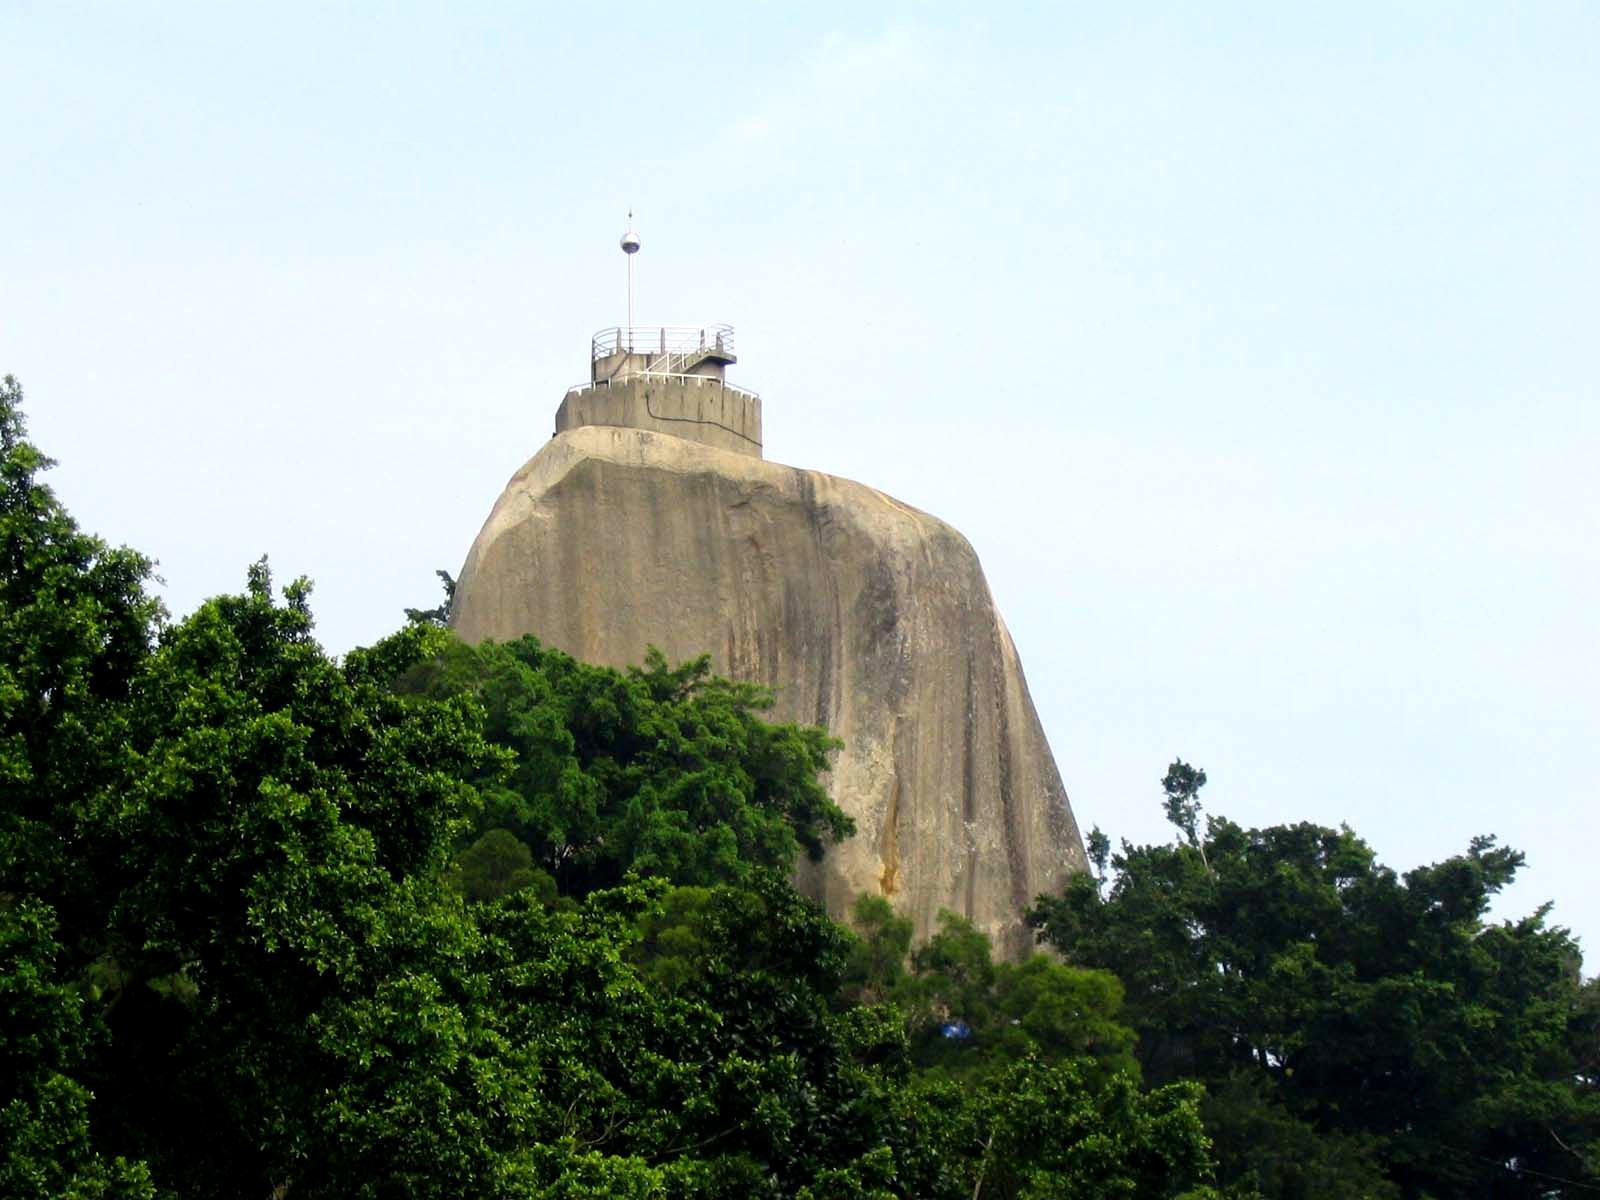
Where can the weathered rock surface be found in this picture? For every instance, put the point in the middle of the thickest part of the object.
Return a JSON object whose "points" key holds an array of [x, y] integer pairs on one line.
{"points": [[865, 615]]}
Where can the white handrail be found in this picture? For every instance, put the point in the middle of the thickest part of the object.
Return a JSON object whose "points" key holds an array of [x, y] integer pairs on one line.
{"points": [[699, 379], [662, 339]]}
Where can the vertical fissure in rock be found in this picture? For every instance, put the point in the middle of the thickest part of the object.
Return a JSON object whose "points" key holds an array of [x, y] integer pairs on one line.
{"points": [[889, 839], [1011, 819], [969, 797]]}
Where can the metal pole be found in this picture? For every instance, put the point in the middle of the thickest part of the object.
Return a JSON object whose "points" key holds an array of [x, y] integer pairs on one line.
{"points": [[630, 247]]}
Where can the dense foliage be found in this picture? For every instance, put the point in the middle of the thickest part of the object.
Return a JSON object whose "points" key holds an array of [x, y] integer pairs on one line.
{"points": [[442, 921], [664, 771], [1359, 1032], [437, 921]]}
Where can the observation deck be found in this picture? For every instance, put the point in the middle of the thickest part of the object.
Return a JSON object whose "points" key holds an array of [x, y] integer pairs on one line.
{"points": [[668, 379], [705, 351]]}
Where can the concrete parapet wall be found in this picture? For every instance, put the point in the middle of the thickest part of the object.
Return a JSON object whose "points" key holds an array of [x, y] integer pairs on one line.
{"points": [[699, 410]]}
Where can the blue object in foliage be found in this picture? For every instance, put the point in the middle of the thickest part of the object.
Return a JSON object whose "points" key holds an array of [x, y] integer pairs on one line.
{"points": [[956, 1029]]}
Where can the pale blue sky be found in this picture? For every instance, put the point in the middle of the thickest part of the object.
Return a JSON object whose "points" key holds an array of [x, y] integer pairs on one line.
{"points": [[1252, 346]]}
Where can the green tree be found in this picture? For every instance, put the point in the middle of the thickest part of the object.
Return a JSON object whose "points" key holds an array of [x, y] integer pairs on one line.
{"points": [[276, 924], [279, 919], [46, 1148], [1040, 1131], [287, 966], [877, 964], [497, 863], [1182, 784], [75, 622], [666, 771], [439, 614], [1004, 1013], [1285, 966], [954, 976]]}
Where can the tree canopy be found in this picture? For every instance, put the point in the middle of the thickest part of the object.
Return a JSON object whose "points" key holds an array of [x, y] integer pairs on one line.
{"points": [[436, 920], [663, 770], [1359, 1031]]}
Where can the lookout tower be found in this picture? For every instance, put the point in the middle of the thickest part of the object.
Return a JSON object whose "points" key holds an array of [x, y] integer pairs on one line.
{"points": [[671, 379]]}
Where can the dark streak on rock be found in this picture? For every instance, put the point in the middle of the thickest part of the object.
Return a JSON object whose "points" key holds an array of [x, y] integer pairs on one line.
{"points": [[1014, 825], [969, 794]]}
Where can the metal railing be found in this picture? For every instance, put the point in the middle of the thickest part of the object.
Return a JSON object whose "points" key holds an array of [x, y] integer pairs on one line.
{"points": [[680, 341], [698, 380]]}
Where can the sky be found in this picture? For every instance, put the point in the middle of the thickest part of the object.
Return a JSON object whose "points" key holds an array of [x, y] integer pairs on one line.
{"points": [[1253, 347]]}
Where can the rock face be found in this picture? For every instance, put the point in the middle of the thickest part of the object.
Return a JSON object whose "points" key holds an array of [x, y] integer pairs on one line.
{"points": [[863, 614]]}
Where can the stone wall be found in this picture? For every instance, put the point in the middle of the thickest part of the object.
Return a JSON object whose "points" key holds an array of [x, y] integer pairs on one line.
{"points": [[689, 407]]}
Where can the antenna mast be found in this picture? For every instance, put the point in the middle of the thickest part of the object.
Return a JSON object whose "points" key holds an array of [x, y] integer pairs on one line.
{"points": [[630, 247]]}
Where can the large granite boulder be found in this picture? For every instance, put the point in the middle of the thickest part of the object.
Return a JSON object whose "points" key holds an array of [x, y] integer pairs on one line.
{"points": [[863, 615]]}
